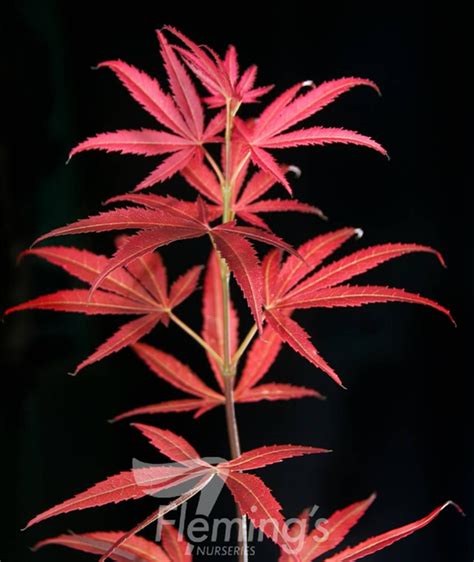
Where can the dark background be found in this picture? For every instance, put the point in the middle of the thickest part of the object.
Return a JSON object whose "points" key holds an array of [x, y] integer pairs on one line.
{"points": [[404, 427]]}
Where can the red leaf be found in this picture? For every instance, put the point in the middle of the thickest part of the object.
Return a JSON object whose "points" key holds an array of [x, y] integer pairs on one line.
{"points": [[212, 312], [308, 104], [79, 300], [185, 285], [117, 219], [169, 444], [264, 456], [294, 335], [353, 295], [171, 406], [243, 262], [86, 266], [170, 166], [380, 542], [120, 487], [321, 136], [259, 359], [283, 205], [199, 176], [147, 92], [142, 243], [335, 530], [202, 483], [255, 234], [174, 544], [135, 548], [126, 335], [313, 252], [357, 263], [255, 500], [275, 391], [173, 371], [183, 89], [265, 160], [145, 142], [151, 272]]}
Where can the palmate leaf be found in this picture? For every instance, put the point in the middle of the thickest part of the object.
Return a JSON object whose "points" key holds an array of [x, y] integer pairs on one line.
{"points": [[321, 540], [250, 493], [166, 220], [289, 109], [200, 398], [294, 285], [138, 290], [220, 77], [182, 114]]}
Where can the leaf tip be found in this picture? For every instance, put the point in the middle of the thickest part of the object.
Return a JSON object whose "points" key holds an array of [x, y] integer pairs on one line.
{"points": [[358, 233]]}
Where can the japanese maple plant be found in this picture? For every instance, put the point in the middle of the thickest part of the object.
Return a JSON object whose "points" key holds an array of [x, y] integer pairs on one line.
{"points": [[205, 136]]}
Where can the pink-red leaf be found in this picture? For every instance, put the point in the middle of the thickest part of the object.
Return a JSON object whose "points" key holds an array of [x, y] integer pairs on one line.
{"points": [[171, 406], [173, 371], [321, 136], [353, 295], [213, 327], [313, 252], [79, 300], [195, 489], [265, 456], [174, 544], [120, 487], [135, 548], [283, 205], [308, 104], [184, 286], [243, 262], [126, 335], [170, 166], [145, 142], [183, 89], [336, 529], [384, 540], [255, 500], [169, 444], [147, 92], [357, 263], [259, 359], [275, 391], [294, 335], [86, 266]]}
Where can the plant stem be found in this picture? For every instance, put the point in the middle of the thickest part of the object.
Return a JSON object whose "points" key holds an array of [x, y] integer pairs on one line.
{"points": [[228, 366], [196, 337], [243, 346]]}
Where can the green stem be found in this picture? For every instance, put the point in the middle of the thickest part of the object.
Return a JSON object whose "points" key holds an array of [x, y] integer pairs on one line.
{"points": [[243, 346], [228, 367], [196, 337]]}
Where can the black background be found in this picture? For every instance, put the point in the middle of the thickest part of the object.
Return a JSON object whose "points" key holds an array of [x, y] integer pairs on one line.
{"points": [[404, 426]]}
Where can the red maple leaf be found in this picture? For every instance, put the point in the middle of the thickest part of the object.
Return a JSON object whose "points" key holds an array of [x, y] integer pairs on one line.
{"points": [[250, 493], [294, 285], [140, 289], [313, 544], [270, 130], [200, 397], [162, 220], [181, 113], [247, 203], [220, 77]]}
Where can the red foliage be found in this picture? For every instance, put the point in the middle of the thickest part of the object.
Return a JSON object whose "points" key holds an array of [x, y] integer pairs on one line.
{"points": [[133, 281]]}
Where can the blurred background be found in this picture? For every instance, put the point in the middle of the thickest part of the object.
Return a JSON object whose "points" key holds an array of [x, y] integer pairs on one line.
{"points": [[403, 427]]}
